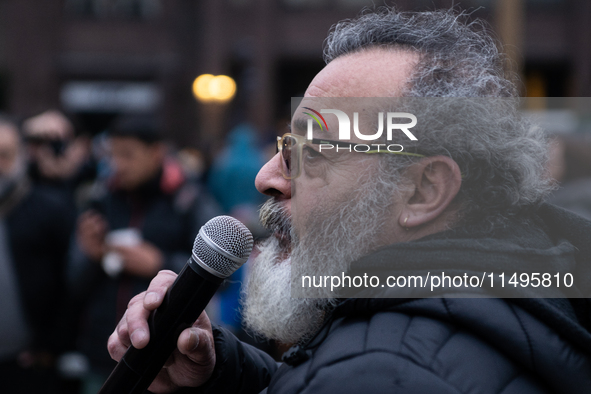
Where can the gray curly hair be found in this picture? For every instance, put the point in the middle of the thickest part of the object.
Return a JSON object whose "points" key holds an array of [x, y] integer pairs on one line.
{"points": [[501, 155]]}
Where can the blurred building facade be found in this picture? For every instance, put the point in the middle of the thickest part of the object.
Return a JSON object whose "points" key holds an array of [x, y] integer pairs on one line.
{"points": [[100, 58]]}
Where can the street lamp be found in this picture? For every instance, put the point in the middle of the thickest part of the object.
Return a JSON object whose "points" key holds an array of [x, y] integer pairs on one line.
{"points": [[209, 88]]}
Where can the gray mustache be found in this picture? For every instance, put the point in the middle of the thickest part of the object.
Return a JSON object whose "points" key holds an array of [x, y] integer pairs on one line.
{"points": [[274, 217]]}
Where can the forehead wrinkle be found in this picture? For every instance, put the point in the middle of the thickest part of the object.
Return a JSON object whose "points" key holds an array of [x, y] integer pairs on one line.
{"points": [[374, 72]]}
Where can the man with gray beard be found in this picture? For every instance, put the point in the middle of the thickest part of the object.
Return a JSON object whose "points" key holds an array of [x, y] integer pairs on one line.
{"points": [[338, 236], [464, 197]]}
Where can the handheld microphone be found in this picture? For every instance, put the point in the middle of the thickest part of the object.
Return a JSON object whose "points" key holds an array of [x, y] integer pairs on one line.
{"points": [[221, 247]]}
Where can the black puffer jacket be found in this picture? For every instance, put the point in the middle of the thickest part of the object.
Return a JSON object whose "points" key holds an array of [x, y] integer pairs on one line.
{"points": [[438, 345]]}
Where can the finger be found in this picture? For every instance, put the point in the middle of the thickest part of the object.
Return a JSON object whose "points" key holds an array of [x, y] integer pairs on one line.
{"points": [[122, 331], [140, 306], [119, 340], [158, 288], [197, 344], [116, 348], [137, 321]]}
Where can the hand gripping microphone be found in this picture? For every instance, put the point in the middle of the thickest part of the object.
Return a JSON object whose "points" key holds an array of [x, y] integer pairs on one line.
{"points": [[221, 247]]}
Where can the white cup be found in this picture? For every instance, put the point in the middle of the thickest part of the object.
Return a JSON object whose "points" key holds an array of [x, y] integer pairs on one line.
{"points": [[112, 261]]}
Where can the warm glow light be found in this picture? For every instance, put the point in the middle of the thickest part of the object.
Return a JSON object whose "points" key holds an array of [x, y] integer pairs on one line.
{"points": [[209, 88], [201, 87]]}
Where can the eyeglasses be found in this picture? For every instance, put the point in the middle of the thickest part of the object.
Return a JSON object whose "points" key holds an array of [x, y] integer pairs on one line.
{"points": [[291, 146]]}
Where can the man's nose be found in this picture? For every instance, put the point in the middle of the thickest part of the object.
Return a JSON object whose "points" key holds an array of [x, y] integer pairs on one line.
{"points": [[271, 182]]}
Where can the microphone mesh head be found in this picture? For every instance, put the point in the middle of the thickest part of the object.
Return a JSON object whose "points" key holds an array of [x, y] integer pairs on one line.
{"points": [[232, 244]]}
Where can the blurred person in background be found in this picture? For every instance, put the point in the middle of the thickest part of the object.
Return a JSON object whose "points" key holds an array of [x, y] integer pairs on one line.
{"points": [[232, 174], [35, 228], [192, 162], [57, 158], [144, 218]]}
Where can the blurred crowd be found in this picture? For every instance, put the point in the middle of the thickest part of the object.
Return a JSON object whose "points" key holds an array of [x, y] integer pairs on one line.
{"points": [[87, 221]]}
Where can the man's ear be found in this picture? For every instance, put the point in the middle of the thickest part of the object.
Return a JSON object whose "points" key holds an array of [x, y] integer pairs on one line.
{"points": [[434, 183]]}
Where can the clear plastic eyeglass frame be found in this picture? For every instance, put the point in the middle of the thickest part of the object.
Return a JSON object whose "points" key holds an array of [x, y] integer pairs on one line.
{"points": [[291, 163]]}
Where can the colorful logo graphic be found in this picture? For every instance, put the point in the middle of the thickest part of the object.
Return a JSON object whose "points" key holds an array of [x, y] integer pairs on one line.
{"points": [[316, 118], [390, 118]]}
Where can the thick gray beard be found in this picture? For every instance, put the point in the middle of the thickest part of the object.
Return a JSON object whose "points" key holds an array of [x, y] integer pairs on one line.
{"points": [[334, 239], [338, 234], [268, 308]]}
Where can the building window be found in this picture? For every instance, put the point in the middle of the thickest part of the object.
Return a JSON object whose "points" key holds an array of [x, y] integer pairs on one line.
{"points": [[303, 4], [354, 3], [127, 9]]}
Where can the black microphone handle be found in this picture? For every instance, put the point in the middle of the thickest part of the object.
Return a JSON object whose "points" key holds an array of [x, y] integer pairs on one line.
{"points": [[183, 303]]}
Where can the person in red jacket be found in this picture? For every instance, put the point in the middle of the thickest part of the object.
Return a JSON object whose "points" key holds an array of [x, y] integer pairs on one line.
{"points": [[142, 219]]}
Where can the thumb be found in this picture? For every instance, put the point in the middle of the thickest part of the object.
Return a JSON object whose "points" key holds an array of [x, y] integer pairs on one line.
{"points": [[198, 345]]}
